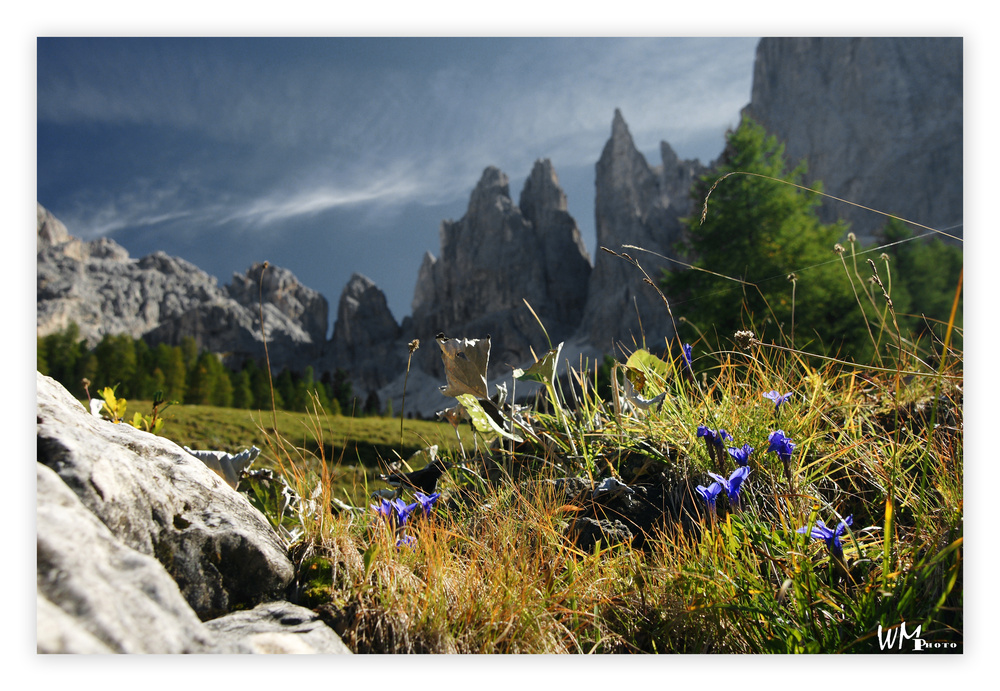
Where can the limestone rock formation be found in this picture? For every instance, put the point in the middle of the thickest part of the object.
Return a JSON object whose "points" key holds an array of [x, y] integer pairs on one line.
{"points": [[879, 121], [98, 595], [636, 205], [543, 204], [163, 299], [366, 339], [495, 258], [141, 548], [161, 501], [302, 306], [276, 628]]}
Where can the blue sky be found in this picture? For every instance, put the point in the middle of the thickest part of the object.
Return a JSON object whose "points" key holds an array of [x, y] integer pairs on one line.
{"points": [[329, 156]]}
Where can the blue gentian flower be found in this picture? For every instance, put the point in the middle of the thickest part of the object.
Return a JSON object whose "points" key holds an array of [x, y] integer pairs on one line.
{"points": [[741, 456], [778, 399], [714, 440], [687, 357], [407, 540], [709, 494], [781, 445], [426, 501], [732, 485], [830, 536], [385, 509], [403, 510], [714, 437]]}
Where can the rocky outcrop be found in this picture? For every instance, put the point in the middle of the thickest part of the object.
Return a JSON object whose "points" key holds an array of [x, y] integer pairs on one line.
{"points": [[879, 121], [638, 205], [161, 501], [141, 548], [273, 628], [301, 306], [366, 338], [164, 299], [495, 258]]}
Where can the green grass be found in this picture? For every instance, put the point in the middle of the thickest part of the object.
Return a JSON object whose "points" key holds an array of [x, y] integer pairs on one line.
{"points": [[494, 572], [358, 449]]}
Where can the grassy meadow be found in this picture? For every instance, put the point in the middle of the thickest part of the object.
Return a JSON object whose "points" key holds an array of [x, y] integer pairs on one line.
{"points": [[358, 448], [493, 568]]}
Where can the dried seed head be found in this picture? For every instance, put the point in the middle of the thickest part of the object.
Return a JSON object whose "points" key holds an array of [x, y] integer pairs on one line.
{"points": [[884, 257], [852, 238], [793, 277], [414, 344], [745, 339], [838, 248]]}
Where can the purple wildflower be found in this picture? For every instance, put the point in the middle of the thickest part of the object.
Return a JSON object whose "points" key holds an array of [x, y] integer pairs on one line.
{"points": [[781, 445], [741, 456], [385, 509], [687, 357], [709, 494], [403, 510], [778, 399], [830, 536], [732, 485], [426, 501], [407, 540], [714, 440], [712, 436]]}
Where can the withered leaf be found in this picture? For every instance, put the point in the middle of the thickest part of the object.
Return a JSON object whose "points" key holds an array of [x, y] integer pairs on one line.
{"points": [[465, 363]]}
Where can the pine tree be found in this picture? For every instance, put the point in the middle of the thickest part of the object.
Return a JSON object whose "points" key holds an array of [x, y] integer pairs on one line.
{"points": [[242, 391], [763, 258], [116, 364]]}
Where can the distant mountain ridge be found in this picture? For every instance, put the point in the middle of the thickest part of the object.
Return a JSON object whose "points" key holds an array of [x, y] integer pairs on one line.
{"points": [[501, 257]]}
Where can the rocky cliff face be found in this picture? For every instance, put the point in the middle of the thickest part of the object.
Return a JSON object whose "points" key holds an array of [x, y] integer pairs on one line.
{"points": [[163, 299], [97, 285], [637, 205], [879, 121], [495, 258], [367, 341]]}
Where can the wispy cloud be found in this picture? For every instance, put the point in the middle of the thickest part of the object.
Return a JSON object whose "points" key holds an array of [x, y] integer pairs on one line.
{"points": [[276, 130]]}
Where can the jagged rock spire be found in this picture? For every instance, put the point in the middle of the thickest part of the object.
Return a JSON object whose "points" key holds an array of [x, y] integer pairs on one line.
{"points": [[496, 257], [635, 205]]}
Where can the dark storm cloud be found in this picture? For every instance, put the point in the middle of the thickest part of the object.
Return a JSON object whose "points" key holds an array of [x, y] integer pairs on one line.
{"points": [[194, 143]]}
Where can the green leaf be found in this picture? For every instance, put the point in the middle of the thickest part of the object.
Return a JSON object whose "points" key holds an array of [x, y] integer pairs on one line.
{"points": [[543, 370], [645, 361], [482, 421]]}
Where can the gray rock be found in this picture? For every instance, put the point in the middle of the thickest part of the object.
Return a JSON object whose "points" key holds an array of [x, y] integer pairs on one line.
{"points": [[586, 533], [51, 231], [567, 263], [96, 595], [164, 299], [98, 286], [302, 306], [366, 339], [494, 259], [878, 120], [636, 205], [162, 502], [276, 627]]}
